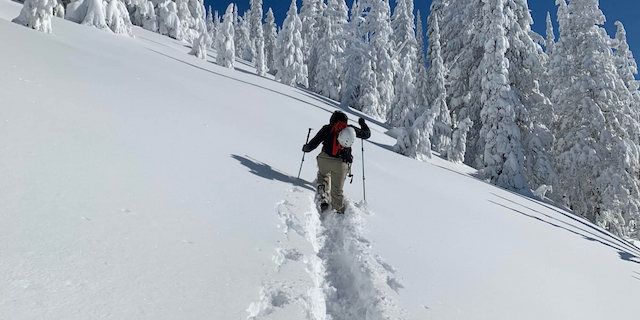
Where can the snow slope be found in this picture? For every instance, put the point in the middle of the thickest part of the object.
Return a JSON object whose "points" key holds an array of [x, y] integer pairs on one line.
{"points": [[139, 182]]}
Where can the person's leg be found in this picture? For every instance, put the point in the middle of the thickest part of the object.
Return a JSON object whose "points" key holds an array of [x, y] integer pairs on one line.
{"points": [[324, 172], [338, 176]]}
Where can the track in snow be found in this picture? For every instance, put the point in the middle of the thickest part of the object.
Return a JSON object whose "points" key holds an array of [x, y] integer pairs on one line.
{"points": [[345, 280]]}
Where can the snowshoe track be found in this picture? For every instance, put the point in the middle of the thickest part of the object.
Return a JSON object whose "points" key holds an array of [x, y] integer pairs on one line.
{"points": [[344, 280]]}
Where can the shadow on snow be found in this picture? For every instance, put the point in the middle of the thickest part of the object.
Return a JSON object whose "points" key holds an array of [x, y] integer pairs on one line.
{"points": [[267, 172], [624, 250]]}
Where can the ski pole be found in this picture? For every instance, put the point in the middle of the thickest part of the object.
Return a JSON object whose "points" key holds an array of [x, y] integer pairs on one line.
{"points": [[303, 153], [364, 193]]}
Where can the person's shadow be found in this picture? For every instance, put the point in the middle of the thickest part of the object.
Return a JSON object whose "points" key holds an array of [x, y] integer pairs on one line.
{"points": [[265, 171]]}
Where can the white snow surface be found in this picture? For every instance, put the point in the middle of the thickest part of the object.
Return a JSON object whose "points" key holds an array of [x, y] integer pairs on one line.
{"points": [[140, 182]]}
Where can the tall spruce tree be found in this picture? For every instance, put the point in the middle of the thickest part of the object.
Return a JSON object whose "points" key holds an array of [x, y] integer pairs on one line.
{"points": [[593, 148], [500, 136], [290, 60], [257, 36], [270, 30]]}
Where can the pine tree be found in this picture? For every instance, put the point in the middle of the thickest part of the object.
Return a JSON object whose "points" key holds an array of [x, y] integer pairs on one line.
{"points": [[422, 82], [36, 14], [216, 29], [310, 14], [355, 48], [462, 51], [500, 136], [534, 112], [458, 146], [257, 36], [437, 90], [627, 69], [550, 40], [404, 38], [226, 47], [380, 33], [595, 155], [210, 24], [327, 81], [270, 39], [290, 60]]}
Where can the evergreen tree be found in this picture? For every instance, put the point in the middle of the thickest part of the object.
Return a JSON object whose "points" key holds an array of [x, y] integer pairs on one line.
{"points": [[422, 82], [216, 28], [270, 31], [226, 47], [595, 155], [458, 146], [534, 113], [310, 15], [462, 51], [36, 14], [210, 24], [500, 136], [404, 38], [355, 55], [437, 89], [290, 61], [380, 33], [257, 36], [327, 81]]}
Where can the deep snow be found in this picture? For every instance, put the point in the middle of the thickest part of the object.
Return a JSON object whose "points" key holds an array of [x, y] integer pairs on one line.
{"points": [[141, 182]]}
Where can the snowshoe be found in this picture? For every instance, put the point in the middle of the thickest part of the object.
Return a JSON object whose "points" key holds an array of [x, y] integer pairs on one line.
{"points": [[322, 199]]}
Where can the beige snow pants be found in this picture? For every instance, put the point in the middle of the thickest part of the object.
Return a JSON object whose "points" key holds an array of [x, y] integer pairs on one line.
{"points": [[332, 173]]}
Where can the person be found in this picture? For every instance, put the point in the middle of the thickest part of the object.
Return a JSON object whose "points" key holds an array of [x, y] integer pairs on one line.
{"points": [[334, 161]]}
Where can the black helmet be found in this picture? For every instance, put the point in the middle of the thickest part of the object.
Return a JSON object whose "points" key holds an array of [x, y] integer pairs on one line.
{"points": [[338, 116]]}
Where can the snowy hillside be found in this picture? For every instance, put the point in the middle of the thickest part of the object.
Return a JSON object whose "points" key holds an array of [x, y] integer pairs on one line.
{"points": [[140, 182]]}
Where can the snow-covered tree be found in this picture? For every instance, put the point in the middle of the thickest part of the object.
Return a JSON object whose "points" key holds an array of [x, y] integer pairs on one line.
{"points": [[378, 25], [500, 136], [87, 12], [143, 14], [257, 36], [168, 21], [226, 48], [627, 69], [59, 10], [216, 29], [404, 38], [458, 146], [437, 91], [550, 40], [422, 82], [355, 50], [270, 31], [309, 16], [368, 98], [210, 24], [327, 82], [117, 17], [290, 60], [36, 14], [462, 51], [242, 39], [535, 112], [596, 157], [200, 45]]}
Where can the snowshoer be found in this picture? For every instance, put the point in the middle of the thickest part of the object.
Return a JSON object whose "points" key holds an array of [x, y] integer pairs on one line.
{"points": [[334, 161]]}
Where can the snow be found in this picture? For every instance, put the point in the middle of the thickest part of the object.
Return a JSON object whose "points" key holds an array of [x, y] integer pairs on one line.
{"points": [[140, 182]]}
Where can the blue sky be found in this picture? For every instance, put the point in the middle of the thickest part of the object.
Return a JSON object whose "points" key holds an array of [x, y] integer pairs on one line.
{"points": [[626, 11]]}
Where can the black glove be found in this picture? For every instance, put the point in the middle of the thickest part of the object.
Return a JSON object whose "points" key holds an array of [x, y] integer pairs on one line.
{"points": [[361, 122], [306, 148], [348, 158]]}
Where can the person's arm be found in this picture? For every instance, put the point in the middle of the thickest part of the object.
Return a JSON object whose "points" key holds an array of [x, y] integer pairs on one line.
{"points": [[315, 142], [363, 132]]}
